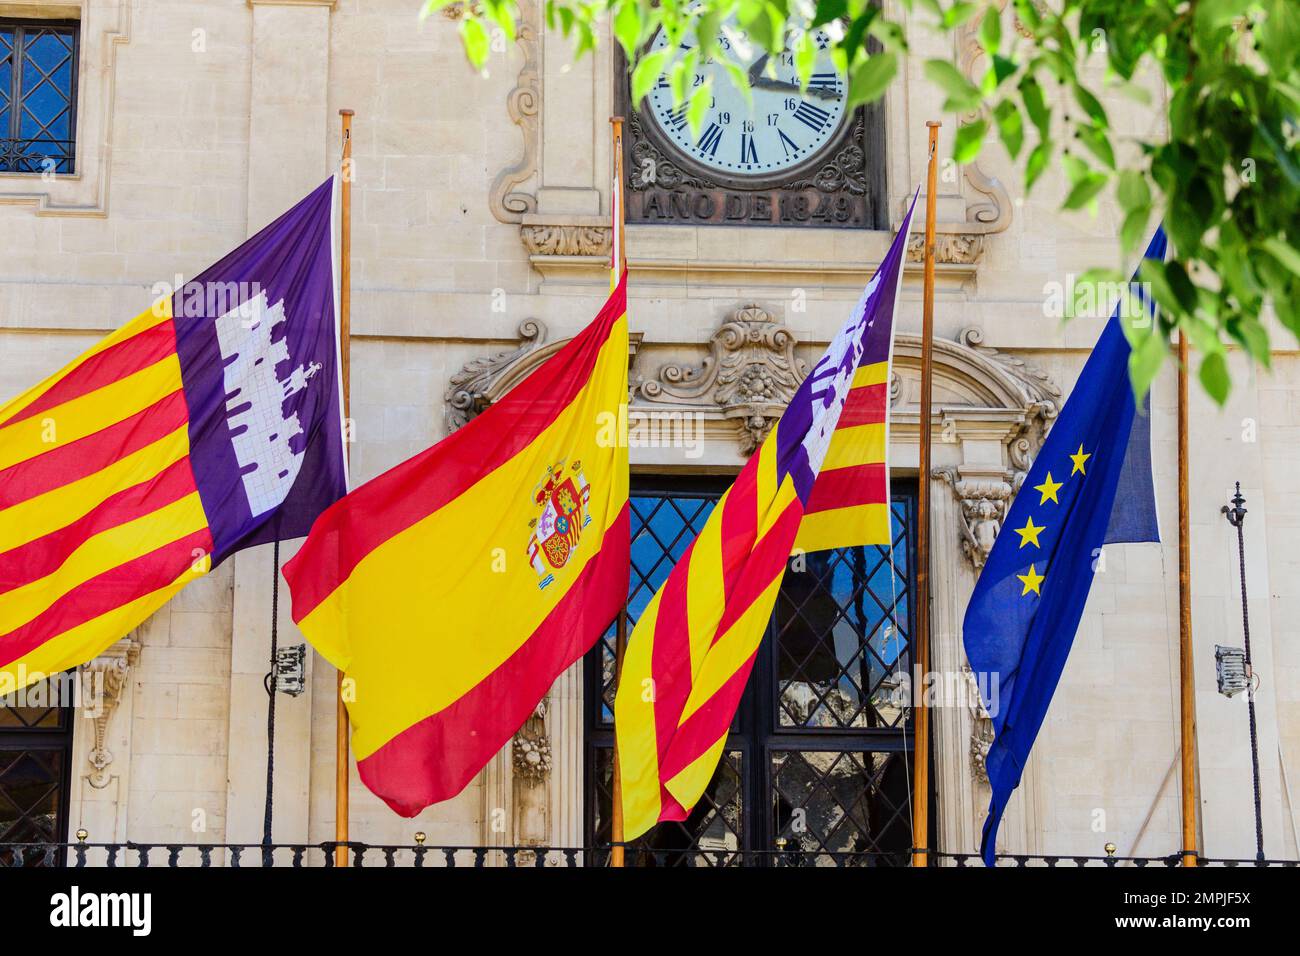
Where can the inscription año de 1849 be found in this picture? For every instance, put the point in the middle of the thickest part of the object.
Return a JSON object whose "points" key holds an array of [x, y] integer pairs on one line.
{"points": [[776, 207]]}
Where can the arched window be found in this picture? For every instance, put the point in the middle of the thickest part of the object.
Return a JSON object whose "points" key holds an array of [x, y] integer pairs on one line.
{"points": [[818, 767]]}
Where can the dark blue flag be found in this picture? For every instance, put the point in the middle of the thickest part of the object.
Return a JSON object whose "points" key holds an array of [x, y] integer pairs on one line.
{"points": [[1027, 602]]}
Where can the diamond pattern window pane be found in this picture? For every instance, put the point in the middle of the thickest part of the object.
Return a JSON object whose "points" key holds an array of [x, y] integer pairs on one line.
{"points": [[711, 836], [30, 789], [826, 803], [663, 527], [38, 68], [842, 631], [37, 707]]}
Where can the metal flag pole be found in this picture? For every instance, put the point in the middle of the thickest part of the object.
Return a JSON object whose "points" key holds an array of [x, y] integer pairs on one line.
{"points": [[1186, 703], [1236, 516], [345, 361], [921, 639], [618, 264]]}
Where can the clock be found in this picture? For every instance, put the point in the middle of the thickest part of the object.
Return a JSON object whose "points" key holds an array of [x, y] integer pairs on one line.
{"points": [[794, 157], [781, 130]]}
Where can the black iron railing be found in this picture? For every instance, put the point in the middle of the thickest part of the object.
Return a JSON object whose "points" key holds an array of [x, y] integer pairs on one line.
{"points": [[171, 855], [37, 155]]}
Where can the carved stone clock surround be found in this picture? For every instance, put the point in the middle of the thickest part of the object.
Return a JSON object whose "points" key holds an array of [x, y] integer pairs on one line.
{"points": [[992, 411]]}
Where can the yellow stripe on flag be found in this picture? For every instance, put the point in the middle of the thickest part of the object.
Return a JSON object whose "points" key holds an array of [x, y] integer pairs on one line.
{"points": [[875, 374], [155, 315], [844, 527], [437, 576], [88, 640], [37, 517], [855, 446], [637, 751], [100, 553], [704, 586], [694, 779], [89, 413]]}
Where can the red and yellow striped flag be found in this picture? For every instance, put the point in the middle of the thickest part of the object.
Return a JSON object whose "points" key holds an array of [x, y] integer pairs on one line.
{"points": [[818, 481], [454, 589], [207, 424]]}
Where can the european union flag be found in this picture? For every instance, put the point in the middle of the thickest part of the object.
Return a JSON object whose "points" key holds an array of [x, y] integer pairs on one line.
{"points": [[1028, 600]]}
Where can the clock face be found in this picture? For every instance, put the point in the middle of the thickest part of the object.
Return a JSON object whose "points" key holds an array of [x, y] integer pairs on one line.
{"points": [[783, 128]]}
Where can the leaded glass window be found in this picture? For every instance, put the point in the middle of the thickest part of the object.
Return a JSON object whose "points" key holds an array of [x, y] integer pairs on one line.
{"points": [[35, 750], [818, 766], [38, 96]]}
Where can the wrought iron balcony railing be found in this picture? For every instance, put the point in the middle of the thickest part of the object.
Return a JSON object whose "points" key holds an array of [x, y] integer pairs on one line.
{"points": [[297, 855]]}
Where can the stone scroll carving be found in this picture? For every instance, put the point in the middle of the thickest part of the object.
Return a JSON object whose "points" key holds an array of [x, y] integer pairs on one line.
{"points": [[749, 375], [523, 104], [104, 680], [468, 392]]}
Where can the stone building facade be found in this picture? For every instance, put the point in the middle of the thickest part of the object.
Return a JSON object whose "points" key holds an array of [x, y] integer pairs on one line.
{"points": [[481, 239]]}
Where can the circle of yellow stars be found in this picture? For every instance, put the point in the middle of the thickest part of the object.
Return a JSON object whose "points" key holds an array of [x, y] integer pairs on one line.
{"points": [[1048, 491]]}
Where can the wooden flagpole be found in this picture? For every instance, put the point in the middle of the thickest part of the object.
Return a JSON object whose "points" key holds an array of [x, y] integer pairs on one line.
{"points": [[1187, 705], [345, 354], [618, 264], [921, 639]]}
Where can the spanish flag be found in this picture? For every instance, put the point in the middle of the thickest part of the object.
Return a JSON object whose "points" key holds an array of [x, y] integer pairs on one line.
{"points": [[207, 424], [818, 481], [454, 589]]}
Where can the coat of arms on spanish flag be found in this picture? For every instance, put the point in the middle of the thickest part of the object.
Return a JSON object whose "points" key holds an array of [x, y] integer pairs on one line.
{"points": [[209, 423], [455, 588]]}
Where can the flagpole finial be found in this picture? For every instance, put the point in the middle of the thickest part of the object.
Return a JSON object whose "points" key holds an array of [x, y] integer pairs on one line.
{"points": [[347, 112], [933, 124]]}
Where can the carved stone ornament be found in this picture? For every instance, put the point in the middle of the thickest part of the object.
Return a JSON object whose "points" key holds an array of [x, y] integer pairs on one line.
{"points": [[104, 680], [468, 392], [984, 503], [750, 375], [566, 239], [531, 748], [981, 737], [949, 249], [523, 104]]}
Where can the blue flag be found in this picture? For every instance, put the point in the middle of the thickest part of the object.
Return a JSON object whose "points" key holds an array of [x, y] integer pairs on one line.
{"points": [[1029, 598]]}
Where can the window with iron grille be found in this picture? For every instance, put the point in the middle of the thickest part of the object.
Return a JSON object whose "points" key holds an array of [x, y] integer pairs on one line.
{"points": [[817, 770], [35, 754], [38, 95]]}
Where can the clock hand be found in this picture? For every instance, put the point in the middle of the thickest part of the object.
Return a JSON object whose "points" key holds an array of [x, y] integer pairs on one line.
{"points": [[756, 69], [763, 83]]}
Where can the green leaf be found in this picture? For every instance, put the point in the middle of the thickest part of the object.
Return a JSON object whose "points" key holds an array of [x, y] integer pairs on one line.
{"points": [[991, 30], [1037, 162], [1144, 363], [647, 73], [1040, 114], [627, 27], [872, 78], [1085, 190], [805, 55], [962, 94], [1091, 105], [1214, 377], [969, 139], [1097, 143], [475, 38], [1011, 128], [699, 105], [1134, 229], [1133, 192], [1283, 253]]}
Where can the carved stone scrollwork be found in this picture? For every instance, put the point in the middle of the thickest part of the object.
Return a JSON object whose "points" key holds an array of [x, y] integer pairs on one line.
{"points": [[523, 104], [467, 392], [981, 738], [984, 503], [949, 248], [104, 679], [531, 750], [750, 375], [561, 239]]}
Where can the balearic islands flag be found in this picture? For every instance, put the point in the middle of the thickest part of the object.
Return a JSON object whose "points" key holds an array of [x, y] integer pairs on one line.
{"points": [[818, 481], [1025, 610], [454, 589], [210, 423]]}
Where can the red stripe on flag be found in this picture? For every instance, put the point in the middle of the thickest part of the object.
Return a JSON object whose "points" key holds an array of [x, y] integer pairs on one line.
{"points": [[764, 564], [114, 363], [846, 487], [46, 554], [85, 456], [739, 522], [865, 406], [434, 759], [419, 486], [702, 729], [104, 592], [670, 654]]}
